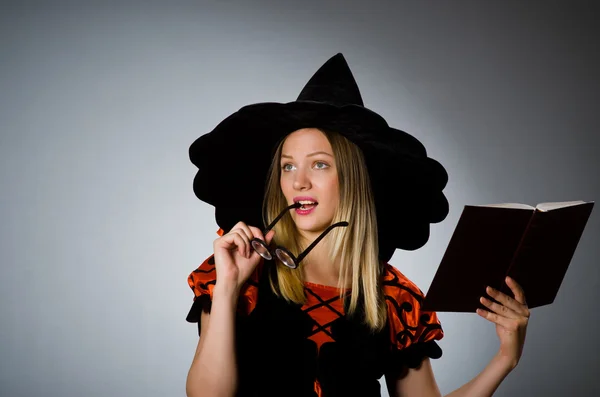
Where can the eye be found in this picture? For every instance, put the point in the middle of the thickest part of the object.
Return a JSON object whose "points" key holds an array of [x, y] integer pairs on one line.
{"points": [[320, 165], [287, 167]]}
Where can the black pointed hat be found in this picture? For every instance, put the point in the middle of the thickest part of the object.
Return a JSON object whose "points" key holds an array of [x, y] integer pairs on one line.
{"points": [[233, 159]]}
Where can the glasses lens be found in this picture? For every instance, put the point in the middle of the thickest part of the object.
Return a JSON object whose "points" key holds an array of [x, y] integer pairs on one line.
{"points": [[285, 258], [262, 249]]}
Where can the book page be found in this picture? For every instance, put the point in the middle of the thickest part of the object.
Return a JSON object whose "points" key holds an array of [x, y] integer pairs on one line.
{"points": [[555, 205], [509, 205]]}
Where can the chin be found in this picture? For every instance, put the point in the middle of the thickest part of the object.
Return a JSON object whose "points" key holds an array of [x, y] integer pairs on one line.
{"points": [[311, 225]]}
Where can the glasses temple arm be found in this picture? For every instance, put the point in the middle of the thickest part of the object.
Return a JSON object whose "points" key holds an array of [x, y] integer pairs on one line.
{"points": [[295, 205], [310, 247]]}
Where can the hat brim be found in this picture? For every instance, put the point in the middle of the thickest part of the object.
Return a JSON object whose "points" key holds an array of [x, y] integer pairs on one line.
{"points": [[233, 161]]}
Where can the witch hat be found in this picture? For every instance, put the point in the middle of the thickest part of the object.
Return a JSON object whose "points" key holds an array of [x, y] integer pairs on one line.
{"points": [[234, 158]]}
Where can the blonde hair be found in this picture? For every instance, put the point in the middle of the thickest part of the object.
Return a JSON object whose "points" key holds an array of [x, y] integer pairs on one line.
{"points": [[356, 245]]}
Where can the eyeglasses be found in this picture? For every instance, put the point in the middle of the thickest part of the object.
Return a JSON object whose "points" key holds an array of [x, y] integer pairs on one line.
{"points": [[285, 256]]}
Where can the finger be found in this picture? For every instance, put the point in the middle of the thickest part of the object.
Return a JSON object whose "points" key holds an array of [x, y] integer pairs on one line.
{"points": [[270, 236], [499, 309], [508, 323], [247, 242], [517, 290], [256, 232], [506, 300], [238, 239], [244, 228]]}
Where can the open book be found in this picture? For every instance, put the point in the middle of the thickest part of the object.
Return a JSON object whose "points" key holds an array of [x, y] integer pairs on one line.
{"points": [[533, 245]]}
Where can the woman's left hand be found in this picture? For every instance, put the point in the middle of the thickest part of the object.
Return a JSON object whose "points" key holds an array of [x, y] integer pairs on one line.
{"points": [[511, 316]]}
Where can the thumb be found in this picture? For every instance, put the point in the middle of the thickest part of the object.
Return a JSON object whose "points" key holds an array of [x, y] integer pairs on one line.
{"points": [[269, 236]]}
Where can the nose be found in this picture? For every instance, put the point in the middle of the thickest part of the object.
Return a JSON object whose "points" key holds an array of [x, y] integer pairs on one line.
{"points": [[301, 180]]}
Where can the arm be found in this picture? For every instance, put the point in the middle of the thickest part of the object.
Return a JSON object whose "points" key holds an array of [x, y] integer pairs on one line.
{"points": [[213, 369], [413, 381], [421, 381], [511, 317]]}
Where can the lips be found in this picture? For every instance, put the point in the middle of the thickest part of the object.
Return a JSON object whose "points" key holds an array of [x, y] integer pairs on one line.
{"points": [[305, 210]]}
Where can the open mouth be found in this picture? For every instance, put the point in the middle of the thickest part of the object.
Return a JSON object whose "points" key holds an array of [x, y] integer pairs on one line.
{"points": [[307, 205]]}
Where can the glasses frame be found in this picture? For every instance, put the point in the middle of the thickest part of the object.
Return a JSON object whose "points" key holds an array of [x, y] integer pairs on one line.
{"points": [[280, 251]]}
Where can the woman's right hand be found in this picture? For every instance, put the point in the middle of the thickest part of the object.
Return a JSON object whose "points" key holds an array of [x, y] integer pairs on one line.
{"points": [[235, 259]]}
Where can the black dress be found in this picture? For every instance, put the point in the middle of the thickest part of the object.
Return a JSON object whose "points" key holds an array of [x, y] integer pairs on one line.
{"points": [[285, 349]]}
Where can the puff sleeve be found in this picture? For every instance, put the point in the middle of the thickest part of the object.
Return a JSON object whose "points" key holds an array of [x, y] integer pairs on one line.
{"points": [[413, 332], [202, 282]]}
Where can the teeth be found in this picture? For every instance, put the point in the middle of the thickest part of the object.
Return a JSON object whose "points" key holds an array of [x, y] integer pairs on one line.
{"points": [[307, 202]]}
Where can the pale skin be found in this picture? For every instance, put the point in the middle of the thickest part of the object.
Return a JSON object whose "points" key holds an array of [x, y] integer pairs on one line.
{"points": [[309, 169]]}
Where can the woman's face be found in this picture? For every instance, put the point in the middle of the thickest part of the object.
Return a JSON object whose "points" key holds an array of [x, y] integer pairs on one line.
{"points": [[309, 175]]}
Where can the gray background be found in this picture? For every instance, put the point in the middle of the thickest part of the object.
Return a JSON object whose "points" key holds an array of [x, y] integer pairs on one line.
{"points": [[100, 227]]}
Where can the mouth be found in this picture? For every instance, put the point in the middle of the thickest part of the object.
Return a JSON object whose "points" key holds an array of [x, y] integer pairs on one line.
{"points": [[306, 204]]}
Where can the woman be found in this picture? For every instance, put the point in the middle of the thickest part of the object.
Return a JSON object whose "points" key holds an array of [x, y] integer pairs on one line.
{"points": [[324, 315]]}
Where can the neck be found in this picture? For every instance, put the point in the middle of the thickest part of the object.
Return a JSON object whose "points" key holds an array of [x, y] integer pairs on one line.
{"points": [[318, 269]]}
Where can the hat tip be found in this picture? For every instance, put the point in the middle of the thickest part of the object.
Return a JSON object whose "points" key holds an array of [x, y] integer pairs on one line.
{"points": [[338, 59]]}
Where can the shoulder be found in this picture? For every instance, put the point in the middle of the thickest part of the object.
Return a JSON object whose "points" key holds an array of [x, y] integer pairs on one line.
{"points": [[398, 287], [409, 324], [203, 279]]}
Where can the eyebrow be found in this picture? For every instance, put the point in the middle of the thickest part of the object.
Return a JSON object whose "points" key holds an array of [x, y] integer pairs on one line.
{"points": [[308, 155]]}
